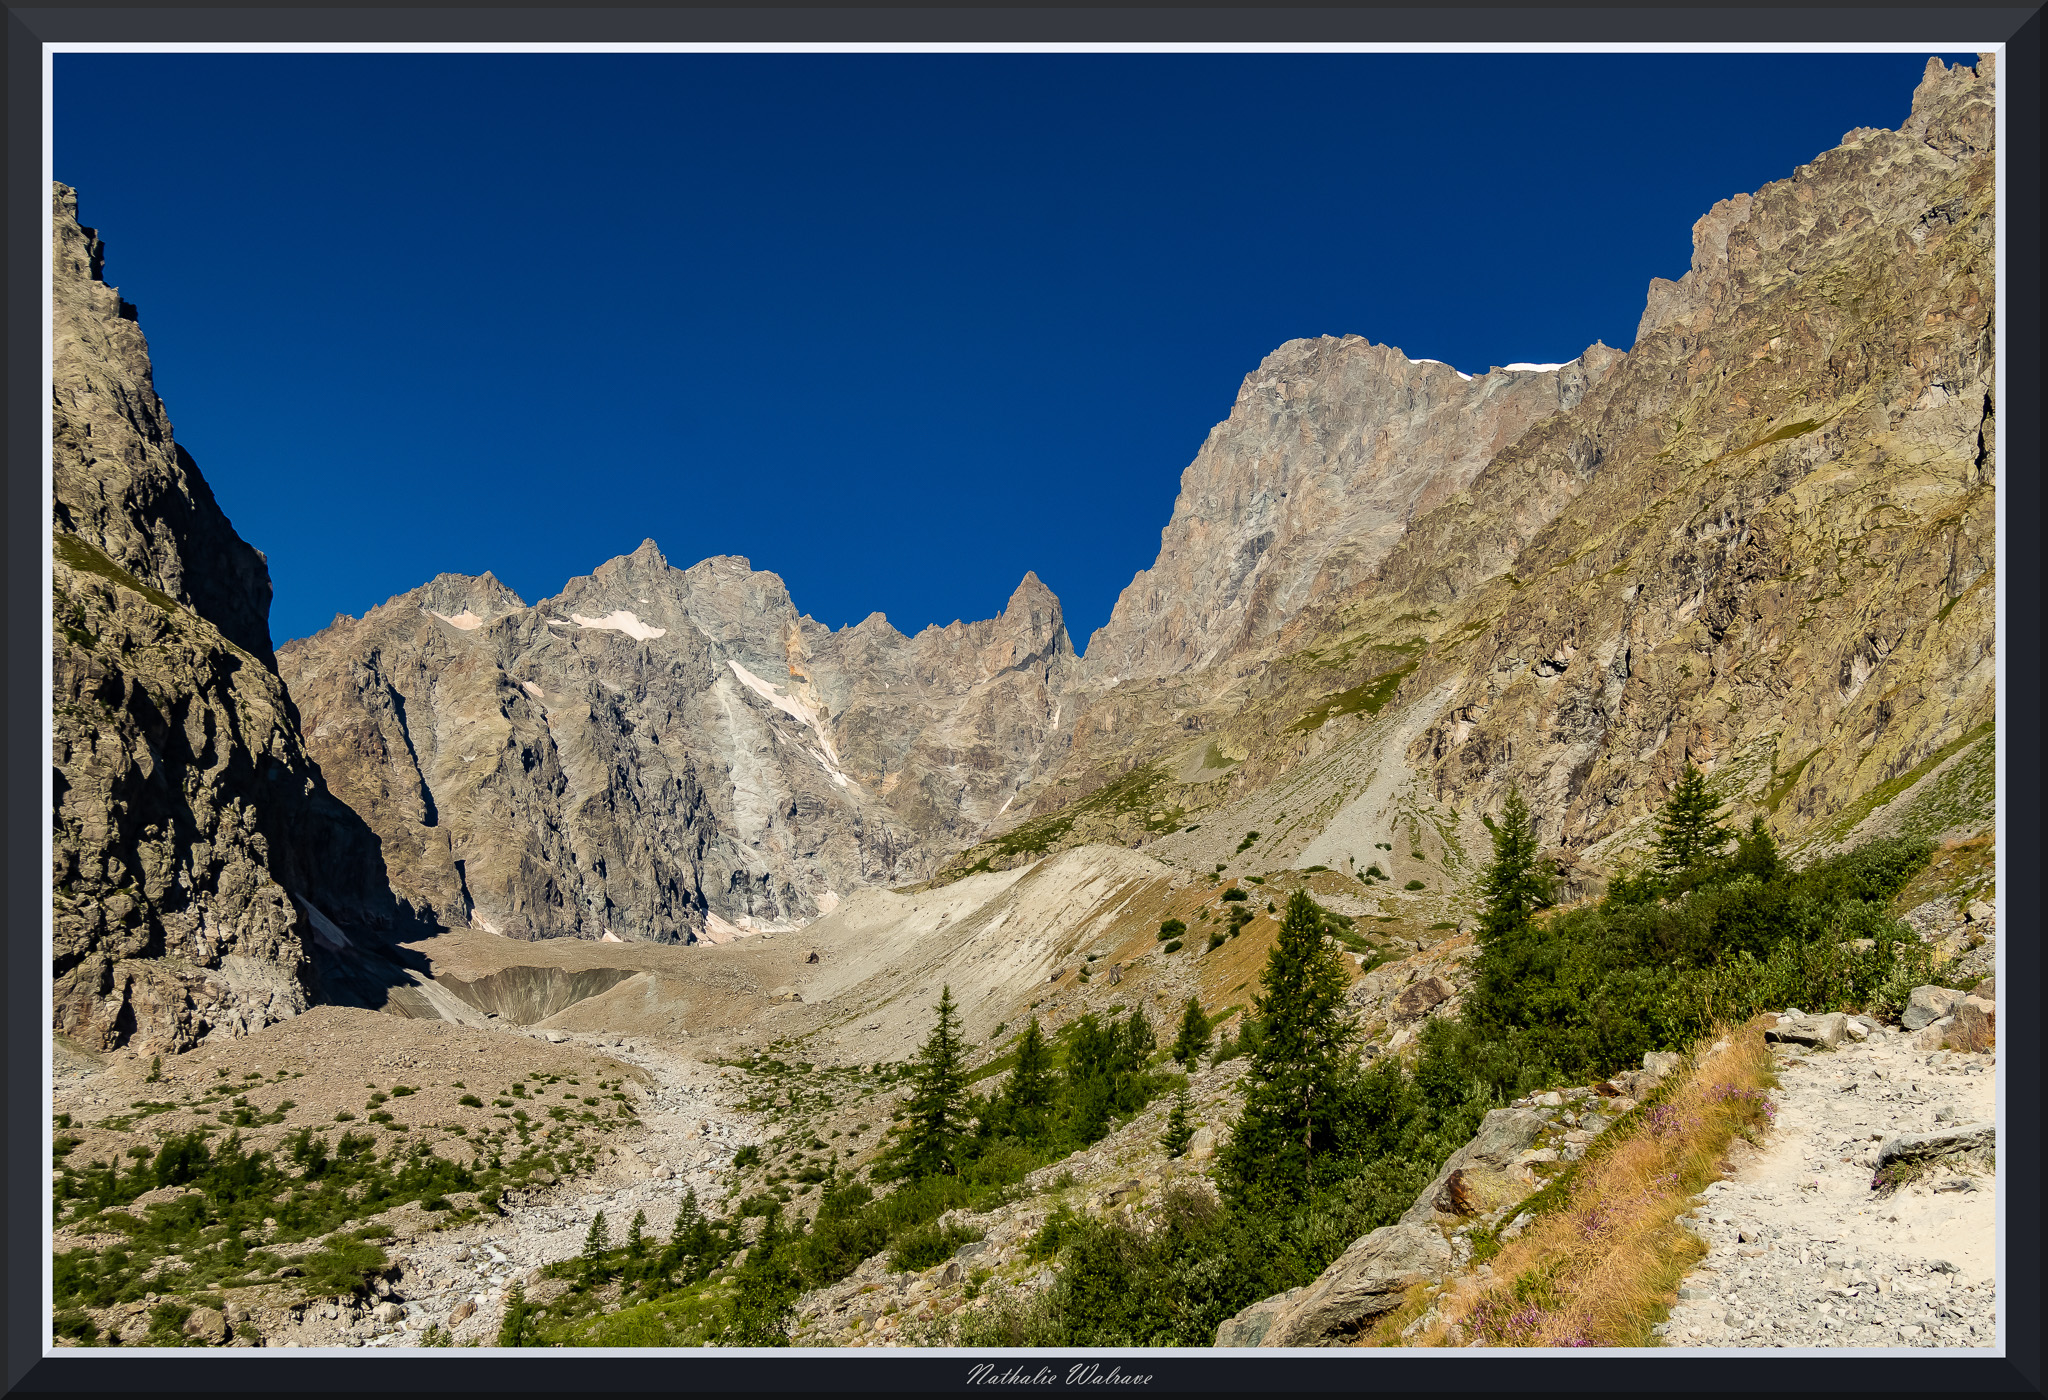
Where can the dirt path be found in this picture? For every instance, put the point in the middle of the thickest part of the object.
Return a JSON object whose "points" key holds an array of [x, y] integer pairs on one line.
{"points": [[1803, 1253]]}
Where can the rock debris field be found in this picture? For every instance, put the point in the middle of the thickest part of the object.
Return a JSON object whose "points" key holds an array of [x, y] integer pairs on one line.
{"points": [[1804, 1252]]}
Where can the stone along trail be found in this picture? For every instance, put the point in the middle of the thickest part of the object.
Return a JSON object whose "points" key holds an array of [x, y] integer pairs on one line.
{"points": [[1803, 1252]]}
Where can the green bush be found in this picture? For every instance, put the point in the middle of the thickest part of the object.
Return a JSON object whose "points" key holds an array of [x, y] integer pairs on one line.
{"points": [[1172, 928], [748, 1156], [1174, 947], [926, 1245]]}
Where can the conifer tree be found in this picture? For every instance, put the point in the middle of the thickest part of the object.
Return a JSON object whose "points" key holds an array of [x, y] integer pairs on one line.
{"points": [[1294, 1096], [1514, 886], [1194, 1035], [687, 1216], [1689, 829], [596, 1244], [635, 1234], [1028, 1094], [935, 1115], [764, 1301], [1179, 1131], [512, 1331], [1756, 852]]}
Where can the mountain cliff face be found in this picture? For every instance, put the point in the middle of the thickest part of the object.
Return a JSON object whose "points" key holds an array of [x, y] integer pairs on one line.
{"points": [[1761, 541], [669, 754], [197, 856], [1332, 448]]}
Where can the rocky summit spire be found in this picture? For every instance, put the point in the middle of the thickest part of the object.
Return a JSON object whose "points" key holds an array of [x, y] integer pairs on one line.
{"points": [[198, 860]]}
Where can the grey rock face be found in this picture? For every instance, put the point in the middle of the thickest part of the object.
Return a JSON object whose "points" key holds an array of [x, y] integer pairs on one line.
{"points": [[1332, 447], [1822, 1031], [1504, 1134], [1926, 1005], [1366, 1281], [1944, 1142], [122, 484], [1249, 1327], [197, 856], [669, 754]]}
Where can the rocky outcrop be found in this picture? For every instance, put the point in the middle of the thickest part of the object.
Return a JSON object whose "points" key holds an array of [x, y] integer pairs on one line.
{"points": [[1367, 1281], [197, 857], [1332, 448], [669, 754], [1766, 539], [1485, 1173], [1762, 542]]}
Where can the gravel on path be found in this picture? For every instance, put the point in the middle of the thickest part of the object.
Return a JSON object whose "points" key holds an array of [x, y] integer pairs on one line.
{"points": [[1803, 1252]]}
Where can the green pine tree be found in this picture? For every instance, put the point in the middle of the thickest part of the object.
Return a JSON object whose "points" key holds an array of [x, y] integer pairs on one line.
{"points": [[764, 1298], [1689, 829], [512, 1331], [1515, 885], [1179, 1131], [635, 1234], [1295, 1084], [1756, 853], [1030, 1088], [1194, 1035], [596, 1245], [688, 1215], [936, 1113]]}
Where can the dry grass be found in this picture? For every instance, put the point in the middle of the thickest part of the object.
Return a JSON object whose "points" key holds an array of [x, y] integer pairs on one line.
{"points": [[1603, 1268]]}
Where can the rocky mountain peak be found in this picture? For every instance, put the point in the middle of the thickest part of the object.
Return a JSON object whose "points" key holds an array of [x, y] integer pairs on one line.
{"points": [[1333, 445], [196, 853], [121, 483]]}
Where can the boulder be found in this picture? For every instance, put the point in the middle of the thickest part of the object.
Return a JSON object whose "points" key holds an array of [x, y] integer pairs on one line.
{"points": [[1659, 1063], [1976, 1023], [1248, 1328], [811, 956], [464, 1310], [1926, 1005], [556, 1038], [207, 1325], [1977, 912], [1825, 1032], [1987, 990], [1418, 999], [387, 1313], [1481, 1190], [1946, 1142], [1504, 1134], [1366, 1282]]}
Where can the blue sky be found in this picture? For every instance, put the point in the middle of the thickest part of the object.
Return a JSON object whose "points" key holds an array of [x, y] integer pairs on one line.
{"points": [[897, 327]]}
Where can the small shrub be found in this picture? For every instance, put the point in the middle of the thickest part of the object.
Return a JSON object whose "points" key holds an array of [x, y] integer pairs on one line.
{"points": [[748, 1156], [1174, 947], [1413, 885], [1172, 928], [1234, 896], [1059, 1227], [470, 1101], [1216, 940], [926, 1245]]}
